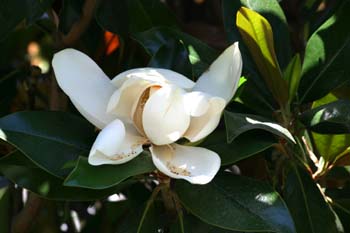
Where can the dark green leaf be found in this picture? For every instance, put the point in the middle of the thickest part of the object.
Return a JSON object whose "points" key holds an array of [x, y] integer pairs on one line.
{"points": [[238, 123], [342, 208], [130, 16], [194, 225], [13, 12], [309, 209], [49, 139], [99, 177], [332, 118], [325, 64], [236, 203], [199, 54], [242, 147], [293, 74], [5, 210], [21, 171], [174, 56]]}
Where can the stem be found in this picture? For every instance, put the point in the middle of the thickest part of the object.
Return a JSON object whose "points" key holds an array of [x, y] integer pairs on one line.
{"points": [[148, 205]]}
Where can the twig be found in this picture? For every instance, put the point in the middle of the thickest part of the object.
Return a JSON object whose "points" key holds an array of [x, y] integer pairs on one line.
{"points": [[23, 221], [81, 25]]}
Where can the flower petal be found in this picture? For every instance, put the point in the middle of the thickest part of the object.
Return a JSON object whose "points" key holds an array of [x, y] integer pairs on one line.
{"points": [[123, 101], [85, 84], [162, 76], [164, 117], [194, 164], [222, 78], [203, 125], [117, 143]]}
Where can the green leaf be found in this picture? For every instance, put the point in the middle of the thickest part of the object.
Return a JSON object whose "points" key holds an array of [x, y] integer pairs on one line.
{"points": [[49, 139], [238, 123], [325, 64], [293, 74], [330, 147], [258, 36], [309, 209], [332, 118], [242, 147], [85, 175], [13, 12], [193, 224], [236, 203], [130, 16], [174, 56], [23, 172], [200, 55], [342, 208], [5, 210], [273, 12]]}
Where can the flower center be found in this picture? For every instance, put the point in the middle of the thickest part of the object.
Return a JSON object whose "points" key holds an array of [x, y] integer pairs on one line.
{"points": [[137, 115]]}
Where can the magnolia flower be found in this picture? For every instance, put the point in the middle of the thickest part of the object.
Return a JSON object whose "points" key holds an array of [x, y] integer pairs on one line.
{"points": [[151, 106]]}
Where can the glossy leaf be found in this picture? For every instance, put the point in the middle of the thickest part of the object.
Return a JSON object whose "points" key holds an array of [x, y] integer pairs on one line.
{"points": [[200, 55], [21, 171], [242, 147], [238, 123], [342, 208], [85, 175], [332, 118], [257, 34], [49, 139], [14, 12], [174, 56], [309, 209], [325, 64], [5, 210], [330, 147], [272, 11], [293, 74], [237, 203]]}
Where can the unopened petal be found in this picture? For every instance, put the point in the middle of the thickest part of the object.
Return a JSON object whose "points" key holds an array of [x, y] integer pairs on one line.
{"points": [[162, 76], [194, 164], [203, 125], [117, 143], [85, 84], [223, 75], [164, 117], [123, 100]]}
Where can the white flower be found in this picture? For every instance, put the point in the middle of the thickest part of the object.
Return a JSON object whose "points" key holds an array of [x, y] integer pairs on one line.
{"points": [[151, 106]]}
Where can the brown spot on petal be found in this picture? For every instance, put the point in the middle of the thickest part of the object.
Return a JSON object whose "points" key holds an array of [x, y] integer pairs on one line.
{"points": [[178, 170]]}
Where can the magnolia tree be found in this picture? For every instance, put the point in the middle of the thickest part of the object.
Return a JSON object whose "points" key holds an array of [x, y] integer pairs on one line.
{"points": [[117, 117]]}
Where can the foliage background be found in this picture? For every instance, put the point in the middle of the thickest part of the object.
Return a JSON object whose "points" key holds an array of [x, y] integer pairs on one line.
{"points": [[278, 186]]}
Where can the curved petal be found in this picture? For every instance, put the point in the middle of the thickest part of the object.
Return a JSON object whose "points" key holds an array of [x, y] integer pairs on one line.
{"points": [[123, 101], [117, 143], [196, 103], [222, 78], [162, 76], [85, 84], [194, 164], [164, 117], [203, 125]]}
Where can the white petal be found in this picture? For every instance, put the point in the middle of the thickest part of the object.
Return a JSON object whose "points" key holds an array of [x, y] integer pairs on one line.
{"points": [[164, 117], [117, 143], [222, 78], [85, 84], [194, 164], [203, 125], [162, 76], [196, 103], [127, 96]]}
